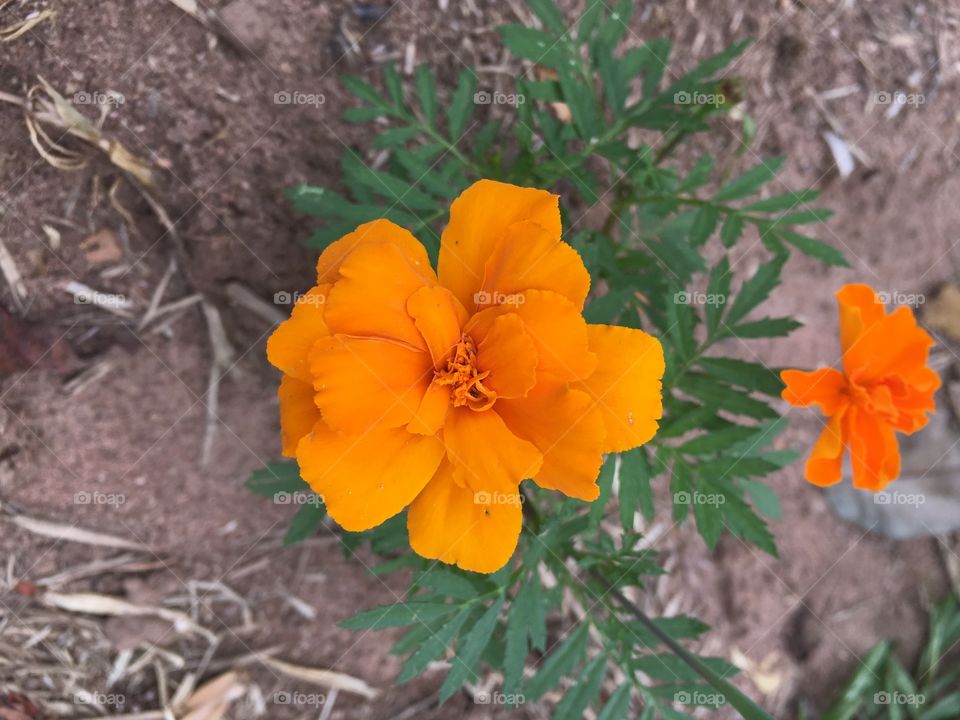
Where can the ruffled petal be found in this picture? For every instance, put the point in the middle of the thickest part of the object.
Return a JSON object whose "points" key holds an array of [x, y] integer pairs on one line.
{"points": [[485, 455], [510, 356], [825, 464], [477, 531], [438, 316], [532, 258], [288, 348], [362, 382], [298, 412], [892, 345], [370, 299], [860, 307], [556, 327], [567, 427], [626, 386], [874, 455], [368, 478], [824, 387], [479, 219], [378, 231], [432, 411]]}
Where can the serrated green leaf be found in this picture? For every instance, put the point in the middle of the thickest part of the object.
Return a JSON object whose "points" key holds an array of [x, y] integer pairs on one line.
{"points": [[306, 522], [363, 90], [618, 705], [549, 14], [756, 289], [783, 202], [748, 375], [426, 93], [433, 646], [397, 615], [584, 693], [815, 249], [395, 136], [750, 182], [732, 230], [278, 477], [461, 105], [469, 650], [764, 328], [704, 223], [635, 491], [560, 662]]}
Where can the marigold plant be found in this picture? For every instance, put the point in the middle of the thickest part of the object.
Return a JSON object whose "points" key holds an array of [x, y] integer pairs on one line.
{"points": [[473, 344]]}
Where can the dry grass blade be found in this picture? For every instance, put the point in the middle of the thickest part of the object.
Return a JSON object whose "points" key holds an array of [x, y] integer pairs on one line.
{"points": [[323, 678], [45, 106], [72, 533], [12, 274], [21, 27], [212, 699], [96, 604]]}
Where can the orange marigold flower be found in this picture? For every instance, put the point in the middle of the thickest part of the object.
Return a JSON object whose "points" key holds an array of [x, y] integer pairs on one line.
{"points": [[885, 387], [442, 391]]}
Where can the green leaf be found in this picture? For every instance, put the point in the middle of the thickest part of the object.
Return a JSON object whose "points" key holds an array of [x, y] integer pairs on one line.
{"points": [[461, 106], [765, 327], [718, 288], [434, 645], [717, 441], [748, 375], [469, 650], [756, 289], [635, 491], [448, 583], [618, 706], [278, 477], [750, 182], [704, 223], [584, 693], [732, 230], [861, 685], [717, 394], [559, 663], [764, 499], [532, 44], [306, 522], [427, 93], [549, 15], [363, 90], [605, 482], [786, 201], [395, 136], [815, 249], [404, 613], [709, 523], [699, 175]]}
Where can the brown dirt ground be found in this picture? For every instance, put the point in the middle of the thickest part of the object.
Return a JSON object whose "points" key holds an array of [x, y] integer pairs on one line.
{"points": [[201, 105]]}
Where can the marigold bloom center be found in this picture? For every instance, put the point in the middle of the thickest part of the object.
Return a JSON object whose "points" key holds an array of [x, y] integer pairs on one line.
{"points": [[463, 375]]}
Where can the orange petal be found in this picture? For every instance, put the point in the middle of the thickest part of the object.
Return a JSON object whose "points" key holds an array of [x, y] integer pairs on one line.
{"points": [[825, 464], [479, 219], [874, 455], [824, 387], [368, 478], [532, 258], [298, 412], [288, 348], [567, 427], [362, 382], [893, 345], [510, 356], [370, 299], [432, 411], [484, 453], [378, 231], [477, 531], [438, 316], [860, 307], [626, 385], [556, 327]]}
